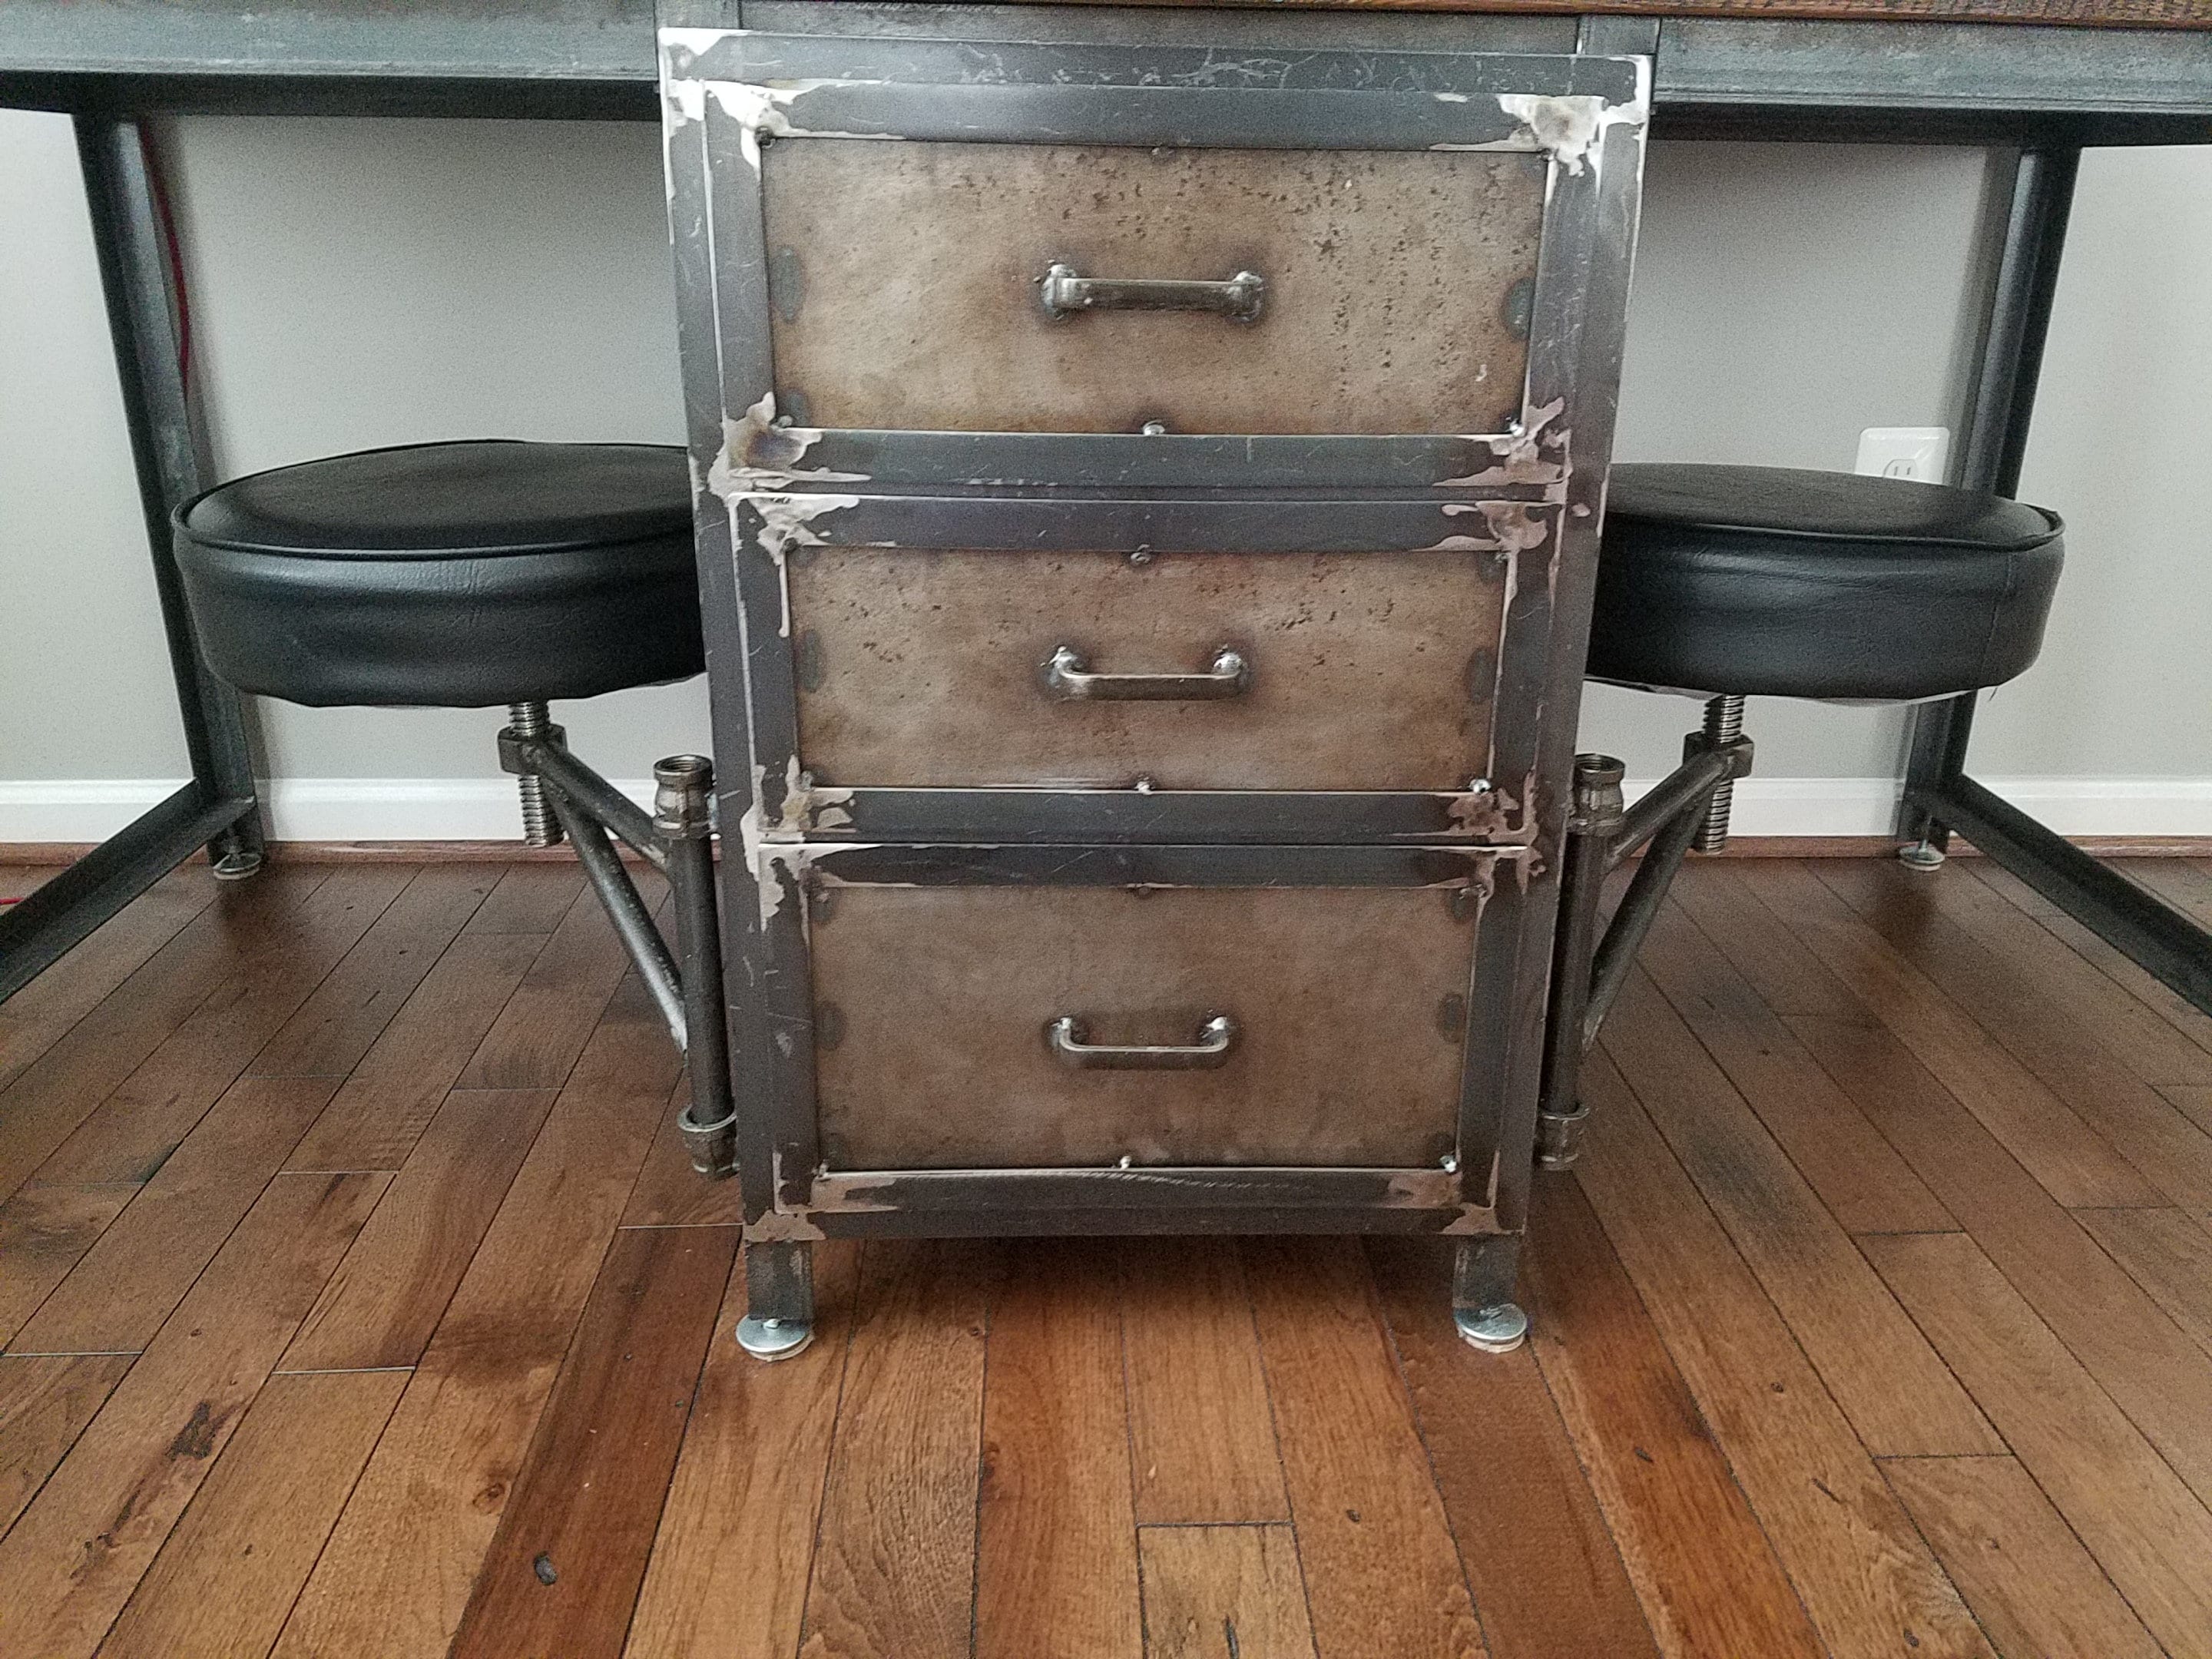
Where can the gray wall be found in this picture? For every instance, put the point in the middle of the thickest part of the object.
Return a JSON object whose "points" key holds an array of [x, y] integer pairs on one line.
{"points": [[358, 282]]}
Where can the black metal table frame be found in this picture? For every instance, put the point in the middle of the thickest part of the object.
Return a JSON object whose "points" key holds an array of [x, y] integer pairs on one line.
{"points": [[2044, 93]]}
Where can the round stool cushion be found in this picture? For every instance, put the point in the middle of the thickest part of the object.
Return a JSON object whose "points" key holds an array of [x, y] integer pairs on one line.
{"points": [[1767, 581], [456, 575]]}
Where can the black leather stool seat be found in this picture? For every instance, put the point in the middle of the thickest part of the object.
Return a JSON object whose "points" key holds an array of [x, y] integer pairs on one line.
{"points": [[1768, 582], [453, 575]]}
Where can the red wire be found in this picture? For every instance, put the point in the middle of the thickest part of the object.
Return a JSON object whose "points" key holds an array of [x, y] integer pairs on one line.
{"points": [[160, 192]]}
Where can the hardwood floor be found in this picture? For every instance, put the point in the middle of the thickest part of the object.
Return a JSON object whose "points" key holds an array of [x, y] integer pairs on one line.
{"points": [[357, 1300]]}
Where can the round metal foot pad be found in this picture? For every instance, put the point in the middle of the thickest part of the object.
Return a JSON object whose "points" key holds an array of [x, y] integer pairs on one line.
{"points": [[774, 1338], [238, 865], [1498, 1328], [1920, 855]]}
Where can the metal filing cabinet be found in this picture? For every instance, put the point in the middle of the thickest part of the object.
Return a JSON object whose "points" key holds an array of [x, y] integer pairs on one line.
{"points": [[1148, 479]]}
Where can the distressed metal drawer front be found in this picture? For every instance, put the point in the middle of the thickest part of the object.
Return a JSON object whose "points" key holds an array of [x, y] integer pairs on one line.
{"points": [[1360, 670], [904, 282], [934, 1010]]}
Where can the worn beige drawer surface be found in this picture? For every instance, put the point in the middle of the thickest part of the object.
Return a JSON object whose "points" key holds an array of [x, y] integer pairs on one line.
{"points": [[933, 1003], [1366, 671], [903, 281]]}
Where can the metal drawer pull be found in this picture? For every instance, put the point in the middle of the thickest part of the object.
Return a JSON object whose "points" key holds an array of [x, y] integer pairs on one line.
{"points": [[1065, 294], [1064, 1037], [1067, 676]]}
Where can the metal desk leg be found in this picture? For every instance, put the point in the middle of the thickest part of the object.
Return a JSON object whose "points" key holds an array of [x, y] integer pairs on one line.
{"points": [[217, 808], [2010, 362], [1939, 796]]}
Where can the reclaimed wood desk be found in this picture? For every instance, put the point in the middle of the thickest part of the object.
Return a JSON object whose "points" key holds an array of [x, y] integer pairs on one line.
{"points": [[2039, 78]]}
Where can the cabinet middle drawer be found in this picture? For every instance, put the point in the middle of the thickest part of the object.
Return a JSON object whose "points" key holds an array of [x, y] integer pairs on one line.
{"points": [[1315, 671]]}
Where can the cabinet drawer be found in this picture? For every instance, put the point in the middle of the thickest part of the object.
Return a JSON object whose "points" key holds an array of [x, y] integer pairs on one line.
{"points": [[1394, 288], [934, 1008], [1290, 671]]}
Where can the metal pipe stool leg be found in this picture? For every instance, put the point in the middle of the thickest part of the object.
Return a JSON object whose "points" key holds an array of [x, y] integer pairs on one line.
{"points": [[1589, 964], [540, 827], [681, 811], [1594, 821]]}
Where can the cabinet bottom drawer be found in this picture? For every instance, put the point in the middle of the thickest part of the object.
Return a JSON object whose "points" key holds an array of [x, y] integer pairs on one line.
{"points": [[1007, 1028]]}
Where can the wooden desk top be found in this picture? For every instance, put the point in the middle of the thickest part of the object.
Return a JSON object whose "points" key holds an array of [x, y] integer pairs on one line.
{"points": [[1951, 71], [2095, 14]]}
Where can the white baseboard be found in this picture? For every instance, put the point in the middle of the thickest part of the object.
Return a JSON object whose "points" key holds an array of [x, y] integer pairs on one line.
{"points": [[483, 809], [2072, 806], [1806, 806], [299, 809]]}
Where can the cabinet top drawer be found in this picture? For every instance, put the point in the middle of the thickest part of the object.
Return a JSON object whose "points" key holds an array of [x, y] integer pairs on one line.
{"points": [[960, 287], [995, 265]]}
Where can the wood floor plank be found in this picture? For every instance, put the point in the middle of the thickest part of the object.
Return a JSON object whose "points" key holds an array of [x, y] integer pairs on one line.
{"points": [[383, 1107], [530, 898], [57, 1092], [2192, 1099], [2184, 1015], [2133, 1349], [732, 1561], [2039, 1032], [2166, 1252], [46, 1400], [129, 1135], [2072, 1162], [387, 1295], [403, 1556], [334, 1028], [75, 1553], [1791, 980], [225, 1579], [2139, 1037], [540, 1031], [1224, 1593], [1371, 1528], [41, 1013], [562, 1573], [1202, 1431], [1057, 1551], [2021, 1568], [894, 1568], [134, 1275], [1704, 1570], [2177, 881], [1899, 1396], [669, 1193], [1865, 1575], [2130, 1508], [2135, 1352], [1857, 1175], [44, 1232], [1548, 1580]]}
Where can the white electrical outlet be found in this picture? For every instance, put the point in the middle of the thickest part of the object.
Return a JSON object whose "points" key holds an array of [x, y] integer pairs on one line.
{"points": [[1921, 454]]}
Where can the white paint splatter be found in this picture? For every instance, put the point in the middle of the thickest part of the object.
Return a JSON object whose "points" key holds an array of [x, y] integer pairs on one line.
{"points": [[1571, 127], [755, 436], [1535, 453], [757, 106]]}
